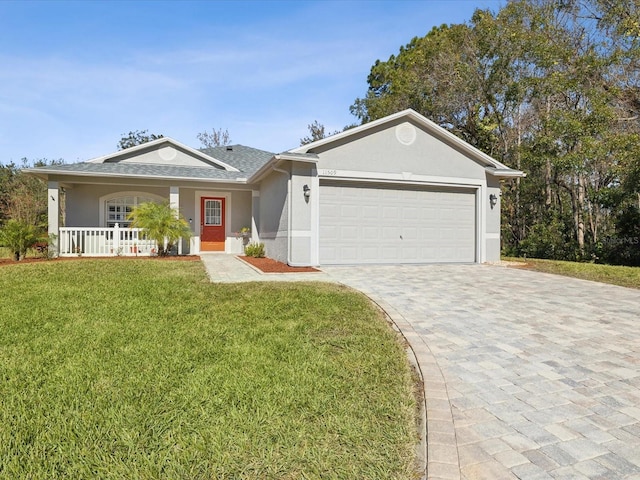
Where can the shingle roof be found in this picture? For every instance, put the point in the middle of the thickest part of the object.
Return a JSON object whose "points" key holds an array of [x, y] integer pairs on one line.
{"points": [[143, 170], [246, 159]]}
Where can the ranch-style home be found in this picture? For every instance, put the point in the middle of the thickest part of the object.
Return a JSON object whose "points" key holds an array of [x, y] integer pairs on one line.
{"points": [[396, 190]]}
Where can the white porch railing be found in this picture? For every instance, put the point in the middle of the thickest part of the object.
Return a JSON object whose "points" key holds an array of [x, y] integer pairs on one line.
{"points": [[101, 242]]}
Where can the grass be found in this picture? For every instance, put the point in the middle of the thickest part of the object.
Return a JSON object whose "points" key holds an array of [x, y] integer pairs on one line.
{"points": [[613, 274], [142, 369]]}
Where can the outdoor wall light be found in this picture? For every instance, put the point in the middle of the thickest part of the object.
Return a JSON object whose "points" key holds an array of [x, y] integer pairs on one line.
{"points": [[493, 199], [307, 191], [190, 221]]}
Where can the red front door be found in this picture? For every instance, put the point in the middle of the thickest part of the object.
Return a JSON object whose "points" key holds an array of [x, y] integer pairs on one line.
{"points": [[212, 231]]}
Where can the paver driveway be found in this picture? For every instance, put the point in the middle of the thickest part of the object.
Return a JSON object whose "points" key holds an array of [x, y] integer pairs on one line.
{"points": [[528, 375]]}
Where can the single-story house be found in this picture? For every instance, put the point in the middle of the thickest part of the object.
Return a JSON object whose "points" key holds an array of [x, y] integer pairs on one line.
{"points": [[400, 189]]}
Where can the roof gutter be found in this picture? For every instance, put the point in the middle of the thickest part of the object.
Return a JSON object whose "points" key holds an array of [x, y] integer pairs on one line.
{"points": [[43, 173], [505, 172]]}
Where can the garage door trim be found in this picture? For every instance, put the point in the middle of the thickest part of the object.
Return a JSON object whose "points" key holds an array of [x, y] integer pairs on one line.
{"points": [[422, 223]]}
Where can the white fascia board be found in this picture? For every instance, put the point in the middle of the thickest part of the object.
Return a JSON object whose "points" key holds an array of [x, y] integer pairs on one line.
{"points": [[296, 158], [505, 172], [37, 172], [204, 156], [160, 141]]}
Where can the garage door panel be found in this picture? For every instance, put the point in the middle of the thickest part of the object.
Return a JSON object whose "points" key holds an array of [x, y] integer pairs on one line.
{"points": [[411, 213], [349, 211], [389, 253], [409, 234], [369, 254], [409, 253], [349, 252], [381, 224], [428, 252], [349, 232], [327, 251], [370, 212], [389, 234], [390, 214], [370, 232]]}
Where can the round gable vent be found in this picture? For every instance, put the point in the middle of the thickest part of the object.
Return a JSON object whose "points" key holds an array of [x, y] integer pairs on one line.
{"points": [[406, 133], [167, 153]]}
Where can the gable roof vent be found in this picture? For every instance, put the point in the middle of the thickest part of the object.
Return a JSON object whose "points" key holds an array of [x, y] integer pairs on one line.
{"points": [[229, 148]]}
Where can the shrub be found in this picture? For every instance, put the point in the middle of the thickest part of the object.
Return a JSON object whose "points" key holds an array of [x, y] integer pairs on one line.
{"points": [[18, 237], [549, 240], [254, 250]]}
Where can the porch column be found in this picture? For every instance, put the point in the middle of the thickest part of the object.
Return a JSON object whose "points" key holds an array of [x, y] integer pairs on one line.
{"points": [[174, 201], [255, 215], [53, 215]]}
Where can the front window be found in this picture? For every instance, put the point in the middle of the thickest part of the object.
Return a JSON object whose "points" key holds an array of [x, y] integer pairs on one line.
{"points": [[118, 209]]}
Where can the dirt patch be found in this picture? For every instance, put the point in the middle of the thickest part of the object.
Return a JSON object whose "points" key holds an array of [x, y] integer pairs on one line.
{"points": [[509, 263], [181, 258], [269, 265]]}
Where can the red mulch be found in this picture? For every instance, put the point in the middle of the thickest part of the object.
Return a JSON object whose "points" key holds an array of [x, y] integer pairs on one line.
{"points": [[269, 265], [182, 258]]}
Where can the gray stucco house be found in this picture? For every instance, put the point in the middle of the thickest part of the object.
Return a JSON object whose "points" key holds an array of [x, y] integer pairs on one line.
{"points": [[397, 190]]}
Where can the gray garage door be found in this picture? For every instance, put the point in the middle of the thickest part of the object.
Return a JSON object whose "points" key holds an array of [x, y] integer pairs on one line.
{"points": [[383, 224]]}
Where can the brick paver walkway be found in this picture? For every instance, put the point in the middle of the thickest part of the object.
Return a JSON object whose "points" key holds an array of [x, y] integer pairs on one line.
{"points": [[527, 375]]}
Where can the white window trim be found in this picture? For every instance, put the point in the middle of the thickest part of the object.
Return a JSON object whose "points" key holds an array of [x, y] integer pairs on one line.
{"points": [[112, 196]]}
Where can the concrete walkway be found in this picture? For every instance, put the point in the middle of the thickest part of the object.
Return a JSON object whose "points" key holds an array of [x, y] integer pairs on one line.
{"points": [[527, 375], [225, 268]]}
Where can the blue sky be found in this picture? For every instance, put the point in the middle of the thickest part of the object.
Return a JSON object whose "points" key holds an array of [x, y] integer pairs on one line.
{"points": [[76, 75]]}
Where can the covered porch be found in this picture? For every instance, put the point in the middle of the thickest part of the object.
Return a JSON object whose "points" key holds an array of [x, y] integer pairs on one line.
{"points": [[89, 202], [91, 220]]}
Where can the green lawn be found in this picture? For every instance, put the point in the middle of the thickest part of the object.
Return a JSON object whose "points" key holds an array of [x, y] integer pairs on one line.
{"points": [[141, 369], [613, 274]]}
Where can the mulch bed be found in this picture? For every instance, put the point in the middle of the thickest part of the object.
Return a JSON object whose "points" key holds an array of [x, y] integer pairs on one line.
{"points": [[265, 265], [269, 265], [181, 258]]}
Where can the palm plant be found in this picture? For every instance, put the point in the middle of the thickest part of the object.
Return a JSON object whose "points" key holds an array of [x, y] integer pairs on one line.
{"points": [[161, 223]]}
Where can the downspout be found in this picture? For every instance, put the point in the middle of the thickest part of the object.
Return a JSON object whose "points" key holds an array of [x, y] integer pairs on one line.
{"points": [[289, 212]]}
